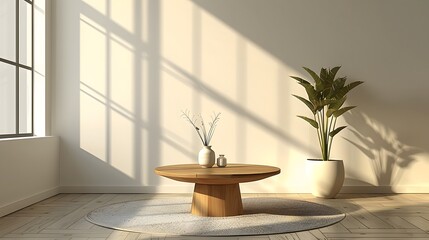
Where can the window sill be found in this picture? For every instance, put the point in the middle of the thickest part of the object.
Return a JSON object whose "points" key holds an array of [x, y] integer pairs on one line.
{"points": [[11, 139]]}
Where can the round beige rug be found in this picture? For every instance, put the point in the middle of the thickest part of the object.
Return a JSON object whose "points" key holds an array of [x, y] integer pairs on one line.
{"points": [[172, 216]]}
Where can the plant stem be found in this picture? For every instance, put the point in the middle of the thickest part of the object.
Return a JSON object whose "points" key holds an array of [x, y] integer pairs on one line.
{"points": [[204, 131], [199, 134], [321, 141], [204, 136], [323, 135], [186, 115], [317, 119], [213, 127], [326, 134], [330, 141], [211, 133]]}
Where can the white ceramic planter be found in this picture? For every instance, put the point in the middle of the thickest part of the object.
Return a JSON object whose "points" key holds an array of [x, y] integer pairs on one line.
{"points": [[326, 177], [206, 157]]}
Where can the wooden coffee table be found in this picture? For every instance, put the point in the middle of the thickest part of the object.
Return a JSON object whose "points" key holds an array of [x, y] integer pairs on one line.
{"points": [[217, 190]]}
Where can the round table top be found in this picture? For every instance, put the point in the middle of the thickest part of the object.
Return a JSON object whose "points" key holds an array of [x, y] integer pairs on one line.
{"points": [[231, 174]]}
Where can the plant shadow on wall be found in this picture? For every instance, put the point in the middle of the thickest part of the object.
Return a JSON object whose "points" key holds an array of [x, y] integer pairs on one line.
{"points": [[388, 155]]}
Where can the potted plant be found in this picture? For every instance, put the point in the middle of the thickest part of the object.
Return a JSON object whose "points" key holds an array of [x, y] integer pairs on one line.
{"points": [[206, 156], [325, 99]]}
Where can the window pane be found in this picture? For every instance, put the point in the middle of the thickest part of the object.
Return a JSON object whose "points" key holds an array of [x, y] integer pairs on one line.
{"points": [[7, 29], [25, 97], [7, 99], [24, 33]]}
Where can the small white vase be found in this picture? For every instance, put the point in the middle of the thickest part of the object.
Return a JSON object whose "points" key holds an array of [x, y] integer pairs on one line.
{"points": [[326, 177], [221, 161], [206, 157]]}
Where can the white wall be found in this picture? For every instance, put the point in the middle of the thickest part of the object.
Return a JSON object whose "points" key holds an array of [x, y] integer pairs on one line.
{"points": [[29, 167], [28, 171], [124, 70]]}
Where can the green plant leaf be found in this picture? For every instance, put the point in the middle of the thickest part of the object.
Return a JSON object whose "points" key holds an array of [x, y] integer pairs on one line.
{"points": [[330, 112], [343, 91], [311, 121], [322, 103], [319, 84], [336, 87], [300, 80], [311, 93], [339, 82], [326, 92], [337, 130], [307, 103], [333, 72], [340, 112], [327, 102], [335, 106], [324, 74]]}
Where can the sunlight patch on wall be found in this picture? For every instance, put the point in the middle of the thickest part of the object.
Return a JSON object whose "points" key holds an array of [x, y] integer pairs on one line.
{"points": [[93, 57], [92, 126], [262, 75], [93, 88], [122, 144], [293, 163], [173, 153], [117, 10], [143, 148], [122, 74], [219, 57], [261, 147], [292, 158], [176, 31], [176, 96], [225, 139], [416, 173]]}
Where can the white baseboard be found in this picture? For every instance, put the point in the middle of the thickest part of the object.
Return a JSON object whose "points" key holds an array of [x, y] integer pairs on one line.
{"points": [[386, 189], [189, 189], [17, 205], [368, 189]]}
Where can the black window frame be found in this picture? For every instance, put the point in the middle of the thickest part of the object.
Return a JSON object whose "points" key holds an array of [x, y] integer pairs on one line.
{"points": [[19, 66]]}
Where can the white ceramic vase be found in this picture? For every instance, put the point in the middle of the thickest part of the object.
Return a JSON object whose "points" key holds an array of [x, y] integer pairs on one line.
{"points": [[206, 157], [326, 177]]}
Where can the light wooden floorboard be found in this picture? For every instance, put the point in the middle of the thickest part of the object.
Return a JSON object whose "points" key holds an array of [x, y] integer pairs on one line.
{"points": [[368, 216]]}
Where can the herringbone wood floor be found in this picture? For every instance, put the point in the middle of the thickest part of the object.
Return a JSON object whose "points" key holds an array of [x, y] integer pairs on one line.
{"points": [[402, 216]]}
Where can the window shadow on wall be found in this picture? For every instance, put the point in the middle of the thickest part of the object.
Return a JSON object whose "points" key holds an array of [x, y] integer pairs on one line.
{"points": [[113, 127], [132, 124]]}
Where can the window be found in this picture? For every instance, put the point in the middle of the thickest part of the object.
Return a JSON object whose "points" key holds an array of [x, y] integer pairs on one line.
{"points": [[16, 68]]}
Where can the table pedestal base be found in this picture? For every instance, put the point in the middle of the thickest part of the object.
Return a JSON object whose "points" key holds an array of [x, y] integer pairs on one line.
{"points": [[212, 200]]}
